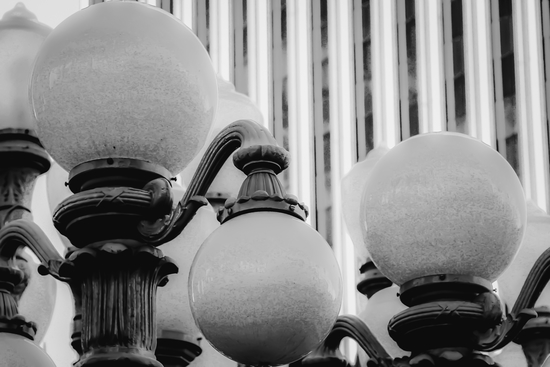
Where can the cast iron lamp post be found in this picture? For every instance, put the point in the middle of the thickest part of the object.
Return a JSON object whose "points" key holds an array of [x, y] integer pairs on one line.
{"points": [[442, 216], [22, 159], [124, 95]]}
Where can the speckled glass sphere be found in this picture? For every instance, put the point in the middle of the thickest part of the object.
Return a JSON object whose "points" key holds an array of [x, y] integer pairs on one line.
{"points": [[442, 203], [16, 350], [265, 289], [21, 36], [123, 80]]}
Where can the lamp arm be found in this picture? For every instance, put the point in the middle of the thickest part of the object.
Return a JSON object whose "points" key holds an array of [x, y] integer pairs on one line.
{"points": [[523, 309], [352, 327], [250, 137], [22, 232]]}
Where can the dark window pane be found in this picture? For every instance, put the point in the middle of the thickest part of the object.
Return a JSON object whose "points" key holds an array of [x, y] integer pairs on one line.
{"points": [[409, 9], [508, 76], [460, 96], [413, 118], [504, 8], [366, 18], [512, 152], [506, 36], [367, 67], [369, 131], [458, 56], [456, 14], [411, 40]]}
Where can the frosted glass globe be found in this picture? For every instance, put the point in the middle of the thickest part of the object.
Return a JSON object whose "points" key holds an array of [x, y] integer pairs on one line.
{"points": [[123, 80], [173, 310], [265, 289], [38, 300], [353, 183], [16, 350], [21, 36], [381, 307], [442, 203]]}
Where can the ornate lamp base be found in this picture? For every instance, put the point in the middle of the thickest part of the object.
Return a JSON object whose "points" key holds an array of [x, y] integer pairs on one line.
{"points": [[445, 311]]}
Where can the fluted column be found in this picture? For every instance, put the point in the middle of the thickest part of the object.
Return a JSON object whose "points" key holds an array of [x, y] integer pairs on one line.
{"points": [[480, 103], [385, 88], [431, 81], [531, 97]]}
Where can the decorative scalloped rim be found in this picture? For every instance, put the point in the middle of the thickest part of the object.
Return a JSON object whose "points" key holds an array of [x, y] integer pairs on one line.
{"points": [[246, 204]]}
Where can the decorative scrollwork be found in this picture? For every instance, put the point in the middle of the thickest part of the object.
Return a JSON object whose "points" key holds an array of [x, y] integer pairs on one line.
{"points": [[523, 311], [256, 145]]}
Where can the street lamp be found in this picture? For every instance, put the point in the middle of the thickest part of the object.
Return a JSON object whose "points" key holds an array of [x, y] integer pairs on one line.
{"points": [[22, 159], [443, 215], [124, 95]]}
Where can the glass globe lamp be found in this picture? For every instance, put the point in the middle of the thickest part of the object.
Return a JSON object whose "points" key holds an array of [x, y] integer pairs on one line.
{"points": [[173, 311], [442, 203], [21, 36], [232, 106], [380, 308], [38, 300], [16, 350], [353, 183], [123, 80], [265, 288]]}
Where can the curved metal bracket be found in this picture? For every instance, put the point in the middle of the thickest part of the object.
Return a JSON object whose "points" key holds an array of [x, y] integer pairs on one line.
{"points": [[23, 232], [240, 134], [523, 311], [352, 327]]}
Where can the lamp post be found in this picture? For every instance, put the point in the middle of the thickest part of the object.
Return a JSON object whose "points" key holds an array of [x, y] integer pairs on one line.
{"points": [[443, 215], [22, 159], [124, 95]]}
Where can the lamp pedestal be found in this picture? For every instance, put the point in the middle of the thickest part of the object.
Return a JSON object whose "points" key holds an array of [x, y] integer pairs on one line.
{"points": [[448, 319], [113, 274]]}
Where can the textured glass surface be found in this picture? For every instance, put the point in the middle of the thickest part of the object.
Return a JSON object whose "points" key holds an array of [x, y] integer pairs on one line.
{"points": [[442, 203], [265, 289], [18, 351], [21, 36], [123, 80]]}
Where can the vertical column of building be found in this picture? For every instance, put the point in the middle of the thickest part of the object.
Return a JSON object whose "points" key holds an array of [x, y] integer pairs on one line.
{"points": [[531, 108], [342, 134], [300, 100], [431, 76], [221, 38], [260, 81], [480, 103], [385, 86]]}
